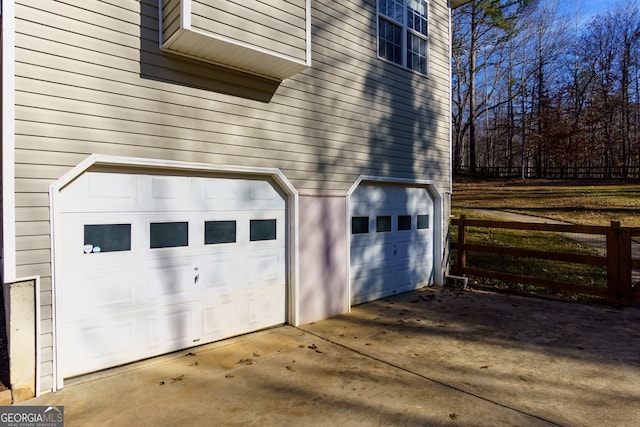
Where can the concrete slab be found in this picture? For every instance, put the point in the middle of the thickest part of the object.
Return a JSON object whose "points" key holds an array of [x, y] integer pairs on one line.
{"points": [[432, 357]]}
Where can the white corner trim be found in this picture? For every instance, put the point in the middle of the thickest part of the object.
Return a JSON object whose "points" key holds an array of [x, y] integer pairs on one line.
{"points": [[185, 14], [8, 143], [308, 30], [38, 335], [125, 163]]}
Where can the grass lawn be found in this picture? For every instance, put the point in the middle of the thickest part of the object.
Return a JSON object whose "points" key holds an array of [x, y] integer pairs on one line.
{"points": [[586, 203], [575, 202]]}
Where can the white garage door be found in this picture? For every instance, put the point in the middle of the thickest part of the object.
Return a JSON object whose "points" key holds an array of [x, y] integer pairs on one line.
{"points": [[391, 240], [151, 264]]}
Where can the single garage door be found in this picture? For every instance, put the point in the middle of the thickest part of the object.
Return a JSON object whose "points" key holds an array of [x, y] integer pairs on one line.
{"points": [[150, 264], [391, 240]]}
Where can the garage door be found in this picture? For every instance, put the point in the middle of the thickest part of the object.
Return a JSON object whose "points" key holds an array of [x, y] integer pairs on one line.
{"points": [[151, 264], [391, 240]]}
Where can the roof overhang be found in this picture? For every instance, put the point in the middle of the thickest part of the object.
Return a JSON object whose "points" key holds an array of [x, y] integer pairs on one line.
{"points": [[456, 3]]}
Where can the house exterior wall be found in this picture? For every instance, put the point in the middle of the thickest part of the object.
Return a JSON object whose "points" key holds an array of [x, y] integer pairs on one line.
{"points": [[91, 79], [324, 255], [276, 25], [170, 18]]}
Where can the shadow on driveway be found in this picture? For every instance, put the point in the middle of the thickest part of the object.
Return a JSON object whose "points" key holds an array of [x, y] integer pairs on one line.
{"points": [[436, 356]]}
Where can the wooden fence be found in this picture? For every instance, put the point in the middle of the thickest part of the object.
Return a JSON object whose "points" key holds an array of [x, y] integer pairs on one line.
{"points": [[618, 258], [577, 172]]}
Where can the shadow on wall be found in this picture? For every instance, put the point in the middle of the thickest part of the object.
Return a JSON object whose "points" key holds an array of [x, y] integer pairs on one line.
{"points": [[156, 64], [395, 132]]}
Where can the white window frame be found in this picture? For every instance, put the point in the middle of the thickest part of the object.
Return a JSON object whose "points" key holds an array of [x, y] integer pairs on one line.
{"points": [[406, 31]]}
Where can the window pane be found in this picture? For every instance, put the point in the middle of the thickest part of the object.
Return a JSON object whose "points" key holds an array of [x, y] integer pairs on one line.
{"points": [[219, 232], [417, 16], [390, 41], [107, 238], [359, 224], [423, 222], [404, 222], [262, 229], [168, 234], [383, 223], [392, 9], [417, 53]]}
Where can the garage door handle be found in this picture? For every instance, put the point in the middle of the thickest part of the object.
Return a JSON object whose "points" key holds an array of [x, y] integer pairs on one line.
{"points": [[195, 279]]}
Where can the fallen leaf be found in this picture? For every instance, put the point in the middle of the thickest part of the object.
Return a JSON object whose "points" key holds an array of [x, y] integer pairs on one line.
{"points": [[453, 416], [484, 367], [312, 347]]}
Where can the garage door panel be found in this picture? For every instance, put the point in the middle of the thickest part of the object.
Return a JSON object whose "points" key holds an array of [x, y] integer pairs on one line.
{"points": [[166, 191], [220, 277], [89, 345], [92, 294], [105, 192], [219, 318], [267, 308], [171, 281], [395, 253], [222, 192], [170, 330], [180, 283], [264, 270]]}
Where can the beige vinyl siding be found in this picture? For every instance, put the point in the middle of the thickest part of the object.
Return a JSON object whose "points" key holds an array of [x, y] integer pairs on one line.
{"points": [[106, 102], [170, 18], [90, 78], [274, 25]]}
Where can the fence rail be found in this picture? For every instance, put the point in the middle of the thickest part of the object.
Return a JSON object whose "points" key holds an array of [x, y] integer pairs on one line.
{"points": [[577, 172], [616, 254]]}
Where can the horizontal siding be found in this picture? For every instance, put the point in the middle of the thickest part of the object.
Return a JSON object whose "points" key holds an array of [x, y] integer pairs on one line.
{"points": [[91, 79], [32, 228], [276, 25], [170, 17], [338, 101]]}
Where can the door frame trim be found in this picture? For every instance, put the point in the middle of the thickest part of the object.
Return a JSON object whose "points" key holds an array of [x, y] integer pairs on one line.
{"points": [[132, 164]]}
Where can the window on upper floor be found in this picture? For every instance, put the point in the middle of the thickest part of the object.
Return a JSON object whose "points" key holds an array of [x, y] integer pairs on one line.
{"points": [[403, 33]]}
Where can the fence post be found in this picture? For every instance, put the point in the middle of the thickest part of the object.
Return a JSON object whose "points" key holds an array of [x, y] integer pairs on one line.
{"points": [[625, 286], [462, 240], [619, 284]]}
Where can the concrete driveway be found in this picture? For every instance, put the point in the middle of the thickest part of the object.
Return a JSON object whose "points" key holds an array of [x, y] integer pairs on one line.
{"points": [[437, 356]]}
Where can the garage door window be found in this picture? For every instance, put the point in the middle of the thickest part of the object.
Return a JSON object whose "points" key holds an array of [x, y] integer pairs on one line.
{"points": [[423, 222], [404, 222], [168, 234], [383, 223], [262, 229], [359, 225], [216, 232], [107, 238]]}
